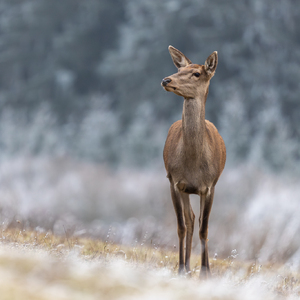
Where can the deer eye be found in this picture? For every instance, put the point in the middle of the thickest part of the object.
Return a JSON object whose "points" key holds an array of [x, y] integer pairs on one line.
{"points": [[196, 74]]}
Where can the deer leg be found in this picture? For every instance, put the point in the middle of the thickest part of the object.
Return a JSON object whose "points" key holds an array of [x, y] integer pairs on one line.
{"points": [[181, 227], [189, 221], [205, 208]]}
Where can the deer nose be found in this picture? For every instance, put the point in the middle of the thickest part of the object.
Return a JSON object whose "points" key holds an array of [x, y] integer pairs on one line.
{"points": [[165, 81]]}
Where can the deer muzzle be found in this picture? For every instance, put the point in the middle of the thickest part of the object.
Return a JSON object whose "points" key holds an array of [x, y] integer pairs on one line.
{"points": [[165, 81]]}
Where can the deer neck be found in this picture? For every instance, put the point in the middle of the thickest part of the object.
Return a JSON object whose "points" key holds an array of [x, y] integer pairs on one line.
{"points": [[193, 126]]}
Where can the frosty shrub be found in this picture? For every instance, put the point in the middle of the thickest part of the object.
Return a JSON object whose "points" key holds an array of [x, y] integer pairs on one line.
{"points": [[254, 212]]}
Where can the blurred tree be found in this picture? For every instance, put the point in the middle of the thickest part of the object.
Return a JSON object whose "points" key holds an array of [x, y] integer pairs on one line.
{"points": [[71, 54], [257, 54], [50, 49]]}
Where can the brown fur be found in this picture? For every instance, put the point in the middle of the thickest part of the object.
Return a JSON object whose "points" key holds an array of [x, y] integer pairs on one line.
{"points": [[194, 153]]}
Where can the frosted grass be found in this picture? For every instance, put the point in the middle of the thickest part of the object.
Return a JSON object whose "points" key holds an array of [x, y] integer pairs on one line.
{"points": [[254, 212], [30, 273]]}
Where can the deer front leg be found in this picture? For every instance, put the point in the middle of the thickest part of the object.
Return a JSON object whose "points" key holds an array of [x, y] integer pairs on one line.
{"points": [[181, 228], [205, 208], [189, 217]]}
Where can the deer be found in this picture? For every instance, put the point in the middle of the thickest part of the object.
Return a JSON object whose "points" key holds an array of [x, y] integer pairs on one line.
{"points": [[194, 154]]}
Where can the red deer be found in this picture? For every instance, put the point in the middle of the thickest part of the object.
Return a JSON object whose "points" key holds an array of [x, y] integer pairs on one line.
{"points": [[194, 153]]}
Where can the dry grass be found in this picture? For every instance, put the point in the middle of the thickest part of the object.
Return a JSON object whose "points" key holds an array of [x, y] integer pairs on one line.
{"points": [[259, 220], [40, 265]]}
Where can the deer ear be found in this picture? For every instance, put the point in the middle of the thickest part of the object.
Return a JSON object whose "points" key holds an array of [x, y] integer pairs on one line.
{"points": [[179, 59], [211, 63]]}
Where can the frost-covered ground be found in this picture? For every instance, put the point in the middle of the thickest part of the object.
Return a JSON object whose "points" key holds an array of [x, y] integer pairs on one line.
{"points": [[41, 266], [254, 213]]}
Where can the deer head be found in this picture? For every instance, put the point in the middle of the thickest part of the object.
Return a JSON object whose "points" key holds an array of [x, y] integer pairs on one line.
{"points": [[191, 80]]}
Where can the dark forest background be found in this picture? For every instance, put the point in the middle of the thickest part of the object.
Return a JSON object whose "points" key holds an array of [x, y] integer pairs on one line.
{"points": [[82, 78]]}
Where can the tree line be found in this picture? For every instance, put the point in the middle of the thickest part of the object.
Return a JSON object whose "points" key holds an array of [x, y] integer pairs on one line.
{"points": [[82, 78]]}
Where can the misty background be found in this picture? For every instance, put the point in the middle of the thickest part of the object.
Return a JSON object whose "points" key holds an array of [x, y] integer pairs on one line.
{"points": [[83, 119]]}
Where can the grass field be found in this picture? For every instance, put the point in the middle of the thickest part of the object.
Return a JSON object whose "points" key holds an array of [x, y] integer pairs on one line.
{"points": [[39, 265]]}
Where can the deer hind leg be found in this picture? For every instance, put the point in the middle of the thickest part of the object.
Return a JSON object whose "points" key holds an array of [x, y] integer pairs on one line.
{"points": [[189, 221], [205, 208], [181, 227]]}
